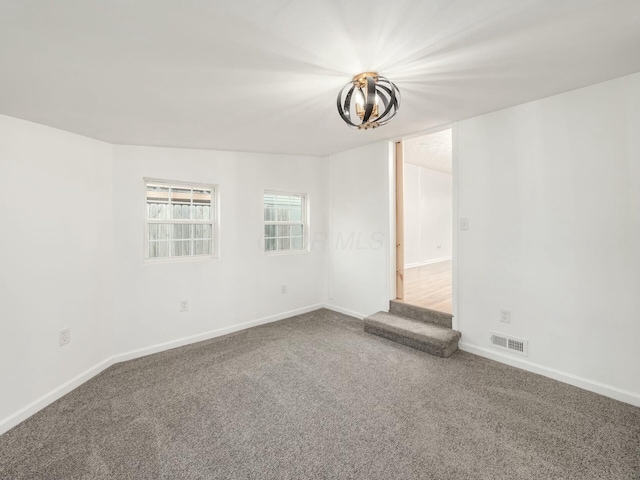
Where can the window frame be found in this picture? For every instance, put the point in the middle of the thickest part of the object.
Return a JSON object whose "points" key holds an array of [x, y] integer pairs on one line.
{"points": [[304, 222], [214, 222]]}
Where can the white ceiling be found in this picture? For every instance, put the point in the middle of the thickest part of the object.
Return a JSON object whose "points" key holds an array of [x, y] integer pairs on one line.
{"points": [[263, 76], [433, 151]]}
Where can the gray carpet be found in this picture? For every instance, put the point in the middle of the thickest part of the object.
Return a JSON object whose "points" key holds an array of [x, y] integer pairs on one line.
{"points": [[314, 397]]}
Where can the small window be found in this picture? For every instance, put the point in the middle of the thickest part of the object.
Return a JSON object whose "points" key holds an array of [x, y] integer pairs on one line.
{"points": [[180, 220], [285, 222]]}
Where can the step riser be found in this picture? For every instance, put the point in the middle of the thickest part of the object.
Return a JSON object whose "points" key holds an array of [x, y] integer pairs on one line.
{"points": [[432, 349], [436, 340], [420, 314]]}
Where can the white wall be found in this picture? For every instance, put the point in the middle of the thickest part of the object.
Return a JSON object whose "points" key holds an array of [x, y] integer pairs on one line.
{"points": [[428, 215], [244, 284], [552, 191], [360, 228], [411, 213], [55, 253]]}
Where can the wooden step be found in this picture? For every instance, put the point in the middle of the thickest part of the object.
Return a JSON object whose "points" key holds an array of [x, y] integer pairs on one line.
{"points": [[420, 313], [428, 337]]}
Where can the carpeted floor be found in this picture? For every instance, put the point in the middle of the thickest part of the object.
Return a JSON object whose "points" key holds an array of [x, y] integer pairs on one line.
{"points": [[314, 397]]}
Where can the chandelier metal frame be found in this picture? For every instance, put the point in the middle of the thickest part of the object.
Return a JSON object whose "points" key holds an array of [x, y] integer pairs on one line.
{"points": [[368, 89]]}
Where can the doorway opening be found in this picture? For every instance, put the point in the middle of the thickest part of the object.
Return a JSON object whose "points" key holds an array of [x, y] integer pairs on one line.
{"points": [[424, 221]]}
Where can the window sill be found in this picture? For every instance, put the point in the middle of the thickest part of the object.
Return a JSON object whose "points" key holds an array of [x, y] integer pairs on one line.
{"points": [[279, 253], [194, 258]]}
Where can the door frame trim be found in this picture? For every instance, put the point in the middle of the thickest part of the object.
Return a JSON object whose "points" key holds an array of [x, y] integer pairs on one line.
{"points": [[399, 220]]}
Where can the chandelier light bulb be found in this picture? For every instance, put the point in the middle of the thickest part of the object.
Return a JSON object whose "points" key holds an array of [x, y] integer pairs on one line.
{"points": [[368, 101]]}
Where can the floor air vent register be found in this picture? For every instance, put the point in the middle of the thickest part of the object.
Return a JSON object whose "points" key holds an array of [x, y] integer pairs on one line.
{"points": [[511, 344]]}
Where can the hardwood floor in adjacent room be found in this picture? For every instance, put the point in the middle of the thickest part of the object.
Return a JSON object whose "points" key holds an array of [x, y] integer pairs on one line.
{"points": [[429, 286]]}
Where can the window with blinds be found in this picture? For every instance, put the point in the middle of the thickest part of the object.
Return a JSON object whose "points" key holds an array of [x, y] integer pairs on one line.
{"points": [[285, 222], [180, 220]]}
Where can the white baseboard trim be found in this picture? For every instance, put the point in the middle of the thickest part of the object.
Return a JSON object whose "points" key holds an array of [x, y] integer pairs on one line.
{"points": [[345, 311], [581, 382], [428, 262], [14, 419], [161, 347]]}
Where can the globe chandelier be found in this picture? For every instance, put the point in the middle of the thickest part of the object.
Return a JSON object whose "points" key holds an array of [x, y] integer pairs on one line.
{"points": [[368, 101]]}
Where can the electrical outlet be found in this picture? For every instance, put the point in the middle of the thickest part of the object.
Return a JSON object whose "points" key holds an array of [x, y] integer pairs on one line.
{"points": [[184, 305], [64, 336], [284, 289], [464, 224], [505, 316]]}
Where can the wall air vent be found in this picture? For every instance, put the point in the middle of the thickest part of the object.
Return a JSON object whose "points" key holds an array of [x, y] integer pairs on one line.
{"points": [[510, 344]]}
